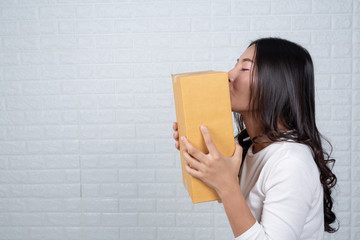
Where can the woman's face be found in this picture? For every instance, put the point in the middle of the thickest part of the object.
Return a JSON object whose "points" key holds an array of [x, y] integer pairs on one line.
{"points": [[239, 81]]}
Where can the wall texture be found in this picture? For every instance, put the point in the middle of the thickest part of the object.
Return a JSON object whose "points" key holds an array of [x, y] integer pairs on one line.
{"points": [[86, 109]]}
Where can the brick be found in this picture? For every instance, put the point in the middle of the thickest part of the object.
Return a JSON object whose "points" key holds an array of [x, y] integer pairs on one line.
{"points": [[223, 233], [356, 128], [66, 27], [221, 8], [64, 219], [10, 88], [154, 9], [59, 72], [13, 205], [341, 21], [326, 66], [8, 28], [95, 26], [156, 160], [137, 205], [291, 7], [133, 146], [192, 40], [114, 71], [99, 233], [322, 81], [221, 220], [56, 12], [250, 7], [189, 9], [23, 43], [335, 128], [342, 204], [355, 231], [134, 55], [163, 190], [133, 176], [311, 22], [157, 219], [114, 10], [341, 82], [28, 219], [119, 219], [59, 102], [145, 233], [19, 13], [201, 24], [171, 24], [331, 37], [9, 59], [122, 190], [227, 23], [92, 219], [55, 232], [108, 161], [271, 23], [20, 73], [319, 51], [12, 148], [85, 11], [139, 25], [177, 233], [14, 232], [341, 113], [356, 36], [58, 42], [338, 97], [103, 116], [356, 97], [147, 40], [113, 41], [54, 176], [168, 175], [169, 204], [332, 6], [194, 219], [99, 176]]}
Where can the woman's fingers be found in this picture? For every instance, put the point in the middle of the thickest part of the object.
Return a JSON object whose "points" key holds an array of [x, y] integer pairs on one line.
{"points": [[208, 141], [175, 126], [191, 150], [191, 162], [176, 136]]}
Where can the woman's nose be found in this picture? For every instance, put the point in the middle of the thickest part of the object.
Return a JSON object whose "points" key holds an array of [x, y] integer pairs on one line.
{"points": [[231, 75]]}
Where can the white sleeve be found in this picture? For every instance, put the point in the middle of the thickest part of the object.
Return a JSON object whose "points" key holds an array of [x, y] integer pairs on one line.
{"points": [[255, 232], [288, 188]]}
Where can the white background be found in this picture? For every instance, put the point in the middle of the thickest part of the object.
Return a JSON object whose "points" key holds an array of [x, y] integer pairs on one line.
{"points": [[86, 109]]}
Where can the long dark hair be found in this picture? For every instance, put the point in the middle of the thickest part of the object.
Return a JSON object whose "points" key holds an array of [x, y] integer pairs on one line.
{"points": [[284, 93]]}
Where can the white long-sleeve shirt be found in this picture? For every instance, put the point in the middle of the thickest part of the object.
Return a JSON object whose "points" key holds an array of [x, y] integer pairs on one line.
{"points": [[281, 185]]}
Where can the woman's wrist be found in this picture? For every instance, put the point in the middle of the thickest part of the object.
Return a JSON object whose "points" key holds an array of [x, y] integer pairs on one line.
{"points": [[229, 189]]}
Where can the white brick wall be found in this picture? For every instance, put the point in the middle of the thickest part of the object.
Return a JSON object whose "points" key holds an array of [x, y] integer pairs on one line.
{"points": [[86, 109]]}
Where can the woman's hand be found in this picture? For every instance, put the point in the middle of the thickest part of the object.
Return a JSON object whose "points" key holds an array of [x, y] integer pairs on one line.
{"points": [[176, 135], [215, 170]]}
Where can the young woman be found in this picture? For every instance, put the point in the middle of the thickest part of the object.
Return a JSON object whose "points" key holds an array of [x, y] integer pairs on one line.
{"points": [[285, 175]]}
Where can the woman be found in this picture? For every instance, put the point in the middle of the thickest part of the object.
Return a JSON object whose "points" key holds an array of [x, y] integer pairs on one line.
{"points": [[285, 177]]}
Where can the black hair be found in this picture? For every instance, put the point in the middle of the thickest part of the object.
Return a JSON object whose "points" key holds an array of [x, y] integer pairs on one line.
{"points": [[284, 92]]}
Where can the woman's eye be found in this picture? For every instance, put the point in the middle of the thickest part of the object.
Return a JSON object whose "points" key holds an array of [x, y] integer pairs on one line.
{"points": [[244, 69]]}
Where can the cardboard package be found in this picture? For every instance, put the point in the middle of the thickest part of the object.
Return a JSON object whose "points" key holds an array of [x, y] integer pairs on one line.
{"points": [[203, 98]]}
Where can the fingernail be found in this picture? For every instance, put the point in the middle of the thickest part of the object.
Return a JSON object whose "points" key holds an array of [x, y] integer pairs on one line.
{"points": [[202, 127], [182, 138]]}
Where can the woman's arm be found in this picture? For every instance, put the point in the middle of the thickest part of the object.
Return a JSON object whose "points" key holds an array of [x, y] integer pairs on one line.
{"points": [[221, 174], [237, 210]]}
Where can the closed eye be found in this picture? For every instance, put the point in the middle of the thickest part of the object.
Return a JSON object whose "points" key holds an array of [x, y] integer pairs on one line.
{"points": [[245, 69]]}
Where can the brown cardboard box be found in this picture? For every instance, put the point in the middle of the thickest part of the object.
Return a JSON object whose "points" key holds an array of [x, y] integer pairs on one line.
{"points": [[203, 98]]}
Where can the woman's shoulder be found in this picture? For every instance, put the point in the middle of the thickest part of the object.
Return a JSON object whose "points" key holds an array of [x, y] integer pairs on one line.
{"points": [[291, 158]]}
